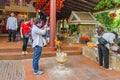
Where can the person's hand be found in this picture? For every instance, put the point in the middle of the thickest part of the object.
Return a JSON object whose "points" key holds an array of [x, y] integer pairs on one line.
{"points": [[45, 26], [112, 44], [21, 36]]}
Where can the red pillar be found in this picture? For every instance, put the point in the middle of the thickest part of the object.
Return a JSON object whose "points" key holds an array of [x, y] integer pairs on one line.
{"points": [[52, 23]]}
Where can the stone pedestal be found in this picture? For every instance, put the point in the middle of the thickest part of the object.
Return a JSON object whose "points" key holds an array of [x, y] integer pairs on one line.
{"points": [[115, 61], [61, 58], [91, 53]]}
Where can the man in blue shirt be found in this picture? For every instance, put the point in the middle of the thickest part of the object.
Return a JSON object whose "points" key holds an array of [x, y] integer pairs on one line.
{"points": [[12, 26]]}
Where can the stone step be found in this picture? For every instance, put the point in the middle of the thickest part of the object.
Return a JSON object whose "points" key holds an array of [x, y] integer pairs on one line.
{"points": [[29, 49], [13, 50], [18, 56]]}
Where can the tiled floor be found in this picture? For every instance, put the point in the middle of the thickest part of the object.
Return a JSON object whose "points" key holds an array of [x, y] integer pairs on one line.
{"points": [[11, 70], [78, 68]]}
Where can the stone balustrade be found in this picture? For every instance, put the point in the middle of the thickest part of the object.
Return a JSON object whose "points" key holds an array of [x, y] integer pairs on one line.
{"points": [[92, 53]]}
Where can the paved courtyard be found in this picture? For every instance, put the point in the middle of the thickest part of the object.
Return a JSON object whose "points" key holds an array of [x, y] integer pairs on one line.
{"points": [[78, 68]]}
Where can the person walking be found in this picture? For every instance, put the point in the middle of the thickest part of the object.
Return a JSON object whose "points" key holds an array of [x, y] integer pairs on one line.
{"points": [[37, 38], [11, 26], [25, 34], [104, 43]]}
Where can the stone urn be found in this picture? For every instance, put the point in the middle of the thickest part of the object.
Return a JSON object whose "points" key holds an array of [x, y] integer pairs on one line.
{"points": [[61, 58]]}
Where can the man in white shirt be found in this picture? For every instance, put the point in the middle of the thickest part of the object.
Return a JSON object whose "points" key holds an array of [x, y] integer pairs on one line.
{"points": [[12, 26], [103, 49], [37, 33]]}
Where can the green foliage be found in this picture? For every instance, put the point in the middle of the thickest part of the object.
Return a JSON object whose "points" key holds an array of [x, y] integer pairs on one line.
{"points": [[73, 28], [100, 5], [110, 25], [104, 18], [117, 2], [106, 4]]}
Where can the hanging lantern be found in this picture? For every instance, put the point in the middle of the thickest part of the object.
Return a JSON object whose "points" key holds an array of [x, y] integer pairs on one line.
{"points": [[113, 15], [59, 4], [39, 3]]}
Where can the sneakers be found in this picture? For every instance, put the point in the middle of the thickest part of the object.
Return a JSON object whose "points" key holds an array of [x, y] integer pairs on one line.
{"points": [[38, 73], [40, 69], [109, 69], [24, 52]]}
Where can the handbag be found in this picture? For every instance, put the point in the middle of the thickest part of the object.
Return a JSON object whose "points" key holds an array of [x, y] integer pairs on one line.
{"points": [[102, 41], [27, 35]]}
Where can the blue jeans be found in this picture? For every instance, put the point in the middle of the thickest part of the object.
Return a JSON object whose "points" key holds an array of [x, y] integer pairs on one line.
{"points": [[25, 41], [36, 57]]}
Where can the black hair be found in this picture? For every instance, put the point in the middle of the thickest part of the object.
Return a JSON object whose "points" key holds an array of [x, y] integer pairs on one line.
{"points": [[42, 15], [38, 20], [116, 35]]}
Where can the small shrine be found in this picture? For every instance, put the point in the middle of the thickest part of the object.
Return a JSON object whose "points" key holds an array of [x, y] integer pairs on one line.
{"points": [[86, 23]]}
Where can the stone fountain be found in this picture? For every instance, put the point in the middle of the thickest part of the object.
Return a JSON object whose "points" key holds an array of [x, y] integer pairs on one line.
{"points": [[61, 58]]}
